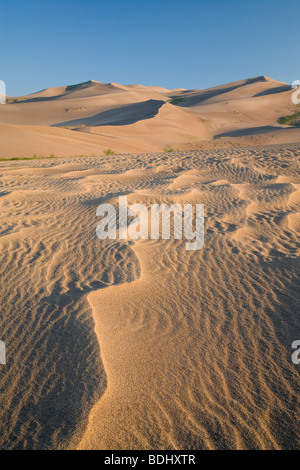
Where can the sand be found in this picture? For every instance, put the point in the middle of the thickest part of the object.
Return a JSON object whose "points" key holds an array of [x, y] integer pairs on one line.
{"points": [[122, 344], [90, 117]]}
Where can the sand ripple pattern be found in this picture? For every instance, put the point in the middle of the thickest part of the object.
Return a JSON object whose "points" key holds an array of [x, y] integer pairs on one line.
{"points": [[122, 345]]}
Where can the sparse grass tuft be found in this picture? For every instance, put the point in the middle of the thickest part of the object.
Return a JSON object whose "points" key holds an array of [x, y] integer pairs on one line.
{"points": [[168, 148], [18, 158], [176, 100], [34, 157], [108, 152], [292, 119], [14, 100]]}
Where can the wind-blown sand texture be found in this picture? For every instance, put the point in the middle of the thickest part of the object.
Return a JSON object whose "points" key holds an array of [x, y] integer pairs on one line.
{"points": [[144, 345], [93, 116]]}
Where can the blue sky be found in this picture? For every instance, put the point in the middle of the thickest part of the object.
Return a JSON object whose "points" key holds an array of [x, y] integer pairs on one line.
{"points": [[188, 44]]}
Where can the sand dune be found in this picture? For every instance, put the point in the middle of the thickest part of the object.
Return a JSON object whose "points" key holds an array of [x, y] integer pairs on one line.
{"points": [[122, 117], [141, 344]]}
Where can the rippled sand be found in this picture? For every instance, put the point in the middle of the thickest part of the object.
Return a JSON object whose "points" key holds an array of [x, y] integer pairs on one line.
{"points": [[144, 345]]}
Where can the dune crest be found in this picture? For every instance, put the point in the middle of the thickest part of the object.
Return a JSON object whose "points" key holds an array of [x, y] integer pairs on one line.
{"points": [[138, 118]]}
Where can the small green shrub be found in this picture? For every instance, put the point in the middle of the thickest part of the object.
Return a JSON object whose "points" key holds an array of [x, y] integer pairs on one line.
{"points": [[108, 152], [292, 119], [168, 148], [176, 100]]}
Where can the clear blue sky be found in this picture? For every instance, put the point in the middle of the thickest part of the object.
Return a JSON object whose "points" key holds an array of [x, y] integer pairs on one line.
{"points": [[188, 44]]}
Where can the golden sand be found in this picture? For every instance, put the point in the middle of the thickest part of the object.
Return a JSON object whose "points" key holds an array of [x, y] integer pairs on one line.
{"points": [[143, 345]]}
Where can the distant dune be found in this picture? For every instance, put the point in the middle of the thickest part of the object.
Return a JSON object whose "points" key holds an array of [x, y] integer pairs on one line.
{"points": [[92, 116]]}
